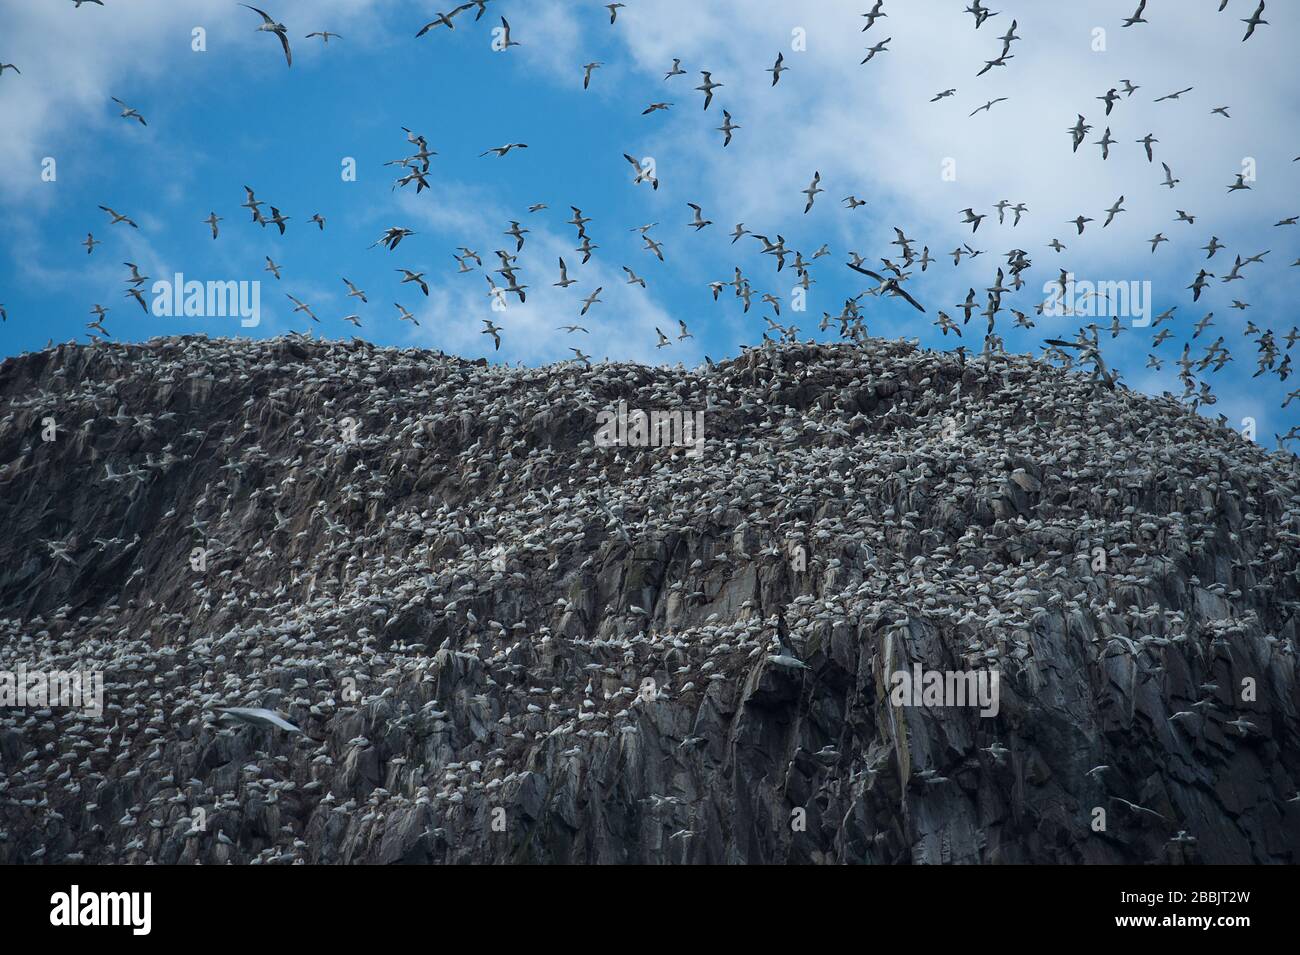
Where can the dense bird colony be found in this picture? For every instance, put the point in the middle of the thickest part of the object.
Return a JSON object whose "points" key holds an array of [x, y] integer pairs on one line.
{"points": [[365, 604]]}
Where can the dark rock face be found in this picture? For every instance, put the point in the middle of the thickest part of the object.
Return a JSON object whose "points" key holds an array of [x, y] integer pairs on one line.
{"points": [[506, 644]]}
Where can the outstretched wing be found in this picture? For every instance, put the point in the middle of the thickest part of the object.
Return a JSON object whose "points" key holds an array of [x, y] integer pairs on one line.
{"points": [[261, 13], [858, 268], [898, 289]]}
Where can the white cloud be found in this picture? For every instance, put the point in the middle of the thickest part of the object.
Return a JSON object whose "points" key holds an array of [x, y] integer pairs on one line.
{"points": [[871, 129], [130, 50]]}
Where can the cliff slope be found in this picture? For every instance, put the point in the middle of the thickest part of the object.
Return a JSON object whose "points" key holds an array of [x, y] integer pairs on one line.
{"points": [[504, 643]]}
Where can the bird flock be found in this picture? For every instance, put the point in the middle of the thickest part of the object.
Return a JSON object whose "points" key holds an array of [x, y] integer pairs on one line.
{"points": [[456, 610], [895, 277]]}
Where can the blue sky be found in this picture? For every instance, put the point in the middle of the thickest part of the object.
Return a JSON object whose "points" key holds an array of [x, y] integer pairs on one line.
{"points": [[235, 114]]}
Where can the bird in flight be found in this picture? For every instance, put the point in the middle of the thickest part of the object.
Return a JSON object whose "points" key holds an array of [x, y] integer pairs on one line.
{"points": [[643, 173], [778, 68], [136, 278], [1137, 16], [118, 217], [1105, 143], [1078, 132], [1146, 141], [269, 25], [707, 87], [253, 203], [517, 233], [99, 312], [564, 281], [888, 285], [1137, 808], [300, 306], [989, 105], [392, 238], [276, 220], [442, 20], [417, 176], [980, 13], [130, 112], [1200, 284], [1000, 61], [212, 221], [1113, 211], [873, 15], [503, 150], [416, 277], [1254, 21], [325, 36], [812, 190], [354, 292], [727, 127], [699, 222], [506, 41], [878, 48]]}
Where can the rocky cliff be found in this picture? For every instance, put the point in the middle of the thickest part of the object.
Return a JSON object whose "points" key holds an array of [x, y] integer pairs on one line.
{"points": [[504, 643]]}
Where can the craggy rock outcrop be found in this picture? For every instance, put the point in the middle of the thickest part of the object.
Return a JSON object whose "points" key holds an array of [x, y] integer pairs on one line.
{"points": [[503, 643]]}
